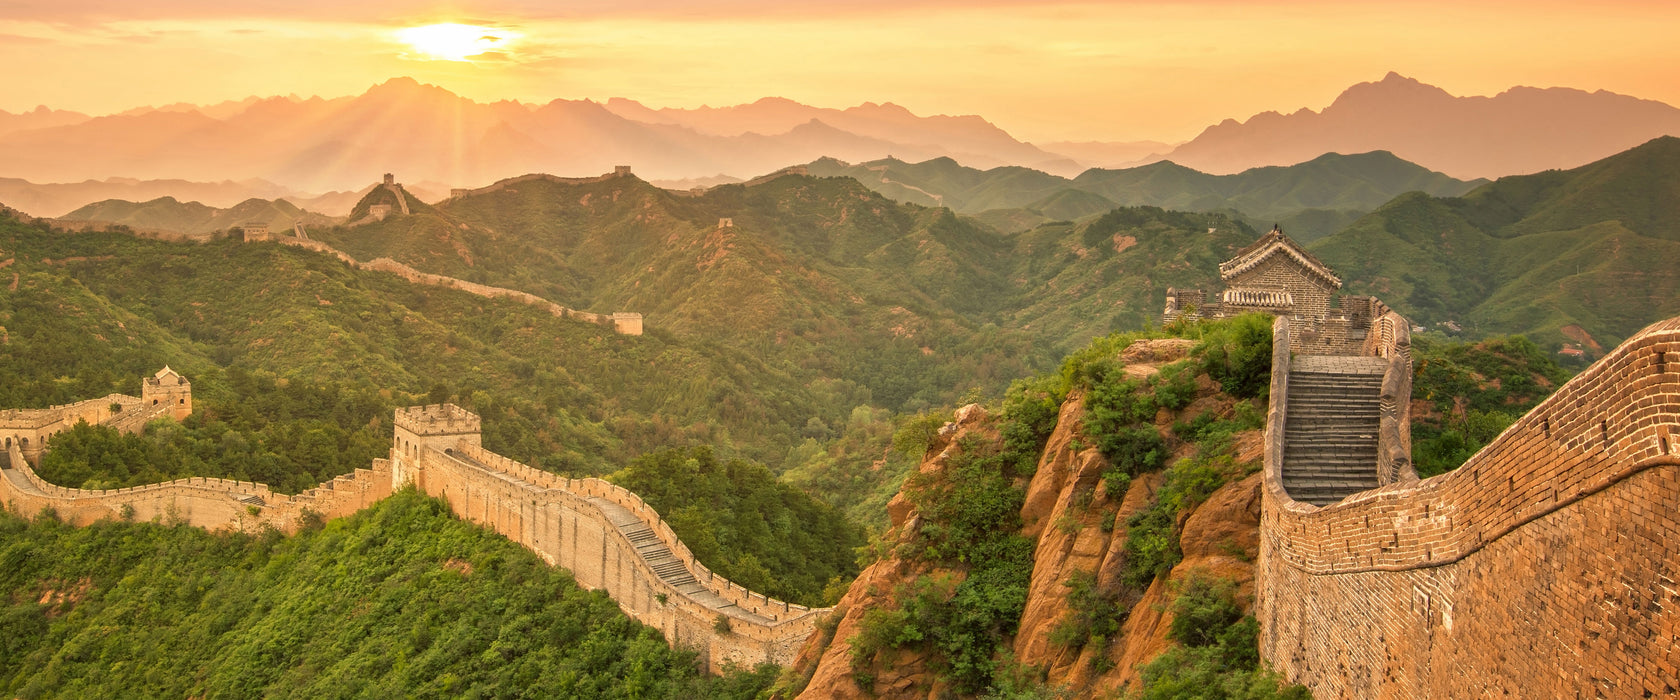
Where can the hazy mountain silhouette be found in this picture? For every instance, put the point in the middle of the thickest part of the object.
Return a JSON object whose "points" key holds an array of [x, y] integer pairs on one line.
{"points": [[170, 214], [1521, 130], [39, 118], [426, 133]]}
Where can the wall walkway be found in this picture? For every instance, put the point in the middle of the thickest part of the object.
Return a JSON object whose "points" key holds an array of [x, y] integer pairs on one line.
{"points": [[610, 540], [1543, 567]]}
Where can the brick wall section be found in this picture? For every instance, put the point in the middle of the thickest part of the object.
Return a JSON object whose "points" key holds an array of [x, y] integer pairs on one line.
{"points": [[213, 504], [554, 517], [1544, 567]]}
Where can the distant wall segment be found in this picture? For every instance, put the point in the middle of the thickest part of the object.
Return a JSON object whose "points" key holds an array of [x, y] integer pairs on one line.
{"points": [[1543, 567], [625, 323]]}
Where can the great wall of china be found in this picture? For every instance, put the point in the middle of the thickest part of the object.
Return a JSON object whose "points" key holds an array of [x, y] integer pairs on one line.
{"points": [[605, 535], [1553, 546], [626, 323], [1546, 566]]}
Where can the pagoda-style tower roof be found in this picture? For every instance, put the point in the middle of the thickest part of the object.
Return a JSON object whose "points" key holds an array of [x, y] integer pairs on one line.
{"points": [[1275, 243]]}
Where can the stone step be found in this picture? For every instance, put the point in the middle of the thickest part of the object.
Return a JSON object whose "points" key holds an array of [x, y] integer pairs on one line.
{"points": [[1335, 462], [1329, 479], [1300, 402], [1327, 444], [1304, 422]]}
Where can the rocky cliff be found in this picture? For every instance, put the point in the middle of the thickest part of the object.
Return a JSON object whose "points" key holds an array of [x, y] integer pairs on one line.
{"points": [[1089, 621]]}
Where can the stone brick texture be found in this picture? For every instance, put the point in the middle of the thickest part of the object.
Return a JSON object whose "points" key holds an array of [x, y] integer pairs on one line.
{"points": [[1544, 567]]}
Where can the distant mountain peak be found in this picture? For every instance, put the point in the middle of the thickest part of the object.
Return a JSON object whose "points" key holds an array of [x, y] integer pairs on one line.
{"points": [[1520, 130]]}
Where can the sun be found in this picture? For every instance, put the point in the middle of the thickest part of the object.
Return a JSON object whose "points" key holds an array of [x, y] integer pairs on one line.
{"points": [[455, 42]]}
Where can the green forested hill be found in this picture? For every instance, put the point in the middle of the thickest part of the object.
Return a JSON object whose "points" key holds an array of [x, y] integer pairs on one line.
{"points": [[1588, 255], [109, 308], [192, 218], [819, 272], [400, 600], [1313, 199]]}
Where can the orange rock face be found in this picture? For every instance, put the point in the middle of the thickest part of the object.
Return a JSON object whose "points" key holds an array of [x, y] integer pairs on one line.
{"points": [[1077, 526]]}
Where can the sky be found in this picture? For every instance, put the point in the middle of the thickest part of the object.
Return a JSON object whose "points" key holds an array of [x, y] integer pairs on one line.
{"points": [[1046, 70]]}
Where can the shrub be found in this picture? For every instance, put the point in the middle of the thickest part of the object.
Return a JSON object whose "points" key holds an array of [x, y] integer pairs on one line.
{"points": [[1205, 608], [1093, 616], [1237, 353]]}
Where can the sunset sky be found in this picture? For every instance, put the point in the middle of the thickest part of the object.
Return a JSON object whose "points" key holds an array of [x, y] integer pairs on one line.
{"points": [[1043, 70]]}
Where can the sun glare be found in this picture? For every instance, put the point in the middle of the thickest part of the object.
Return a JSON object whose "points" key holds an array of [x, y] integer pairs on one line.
{"points": [[455, 42]]}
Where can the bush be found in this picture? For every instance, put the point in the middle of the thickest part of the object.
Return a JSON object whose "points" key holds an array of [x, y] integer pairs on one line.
{"points": [[971, 515], [1205, 608], [1092, 615], [1219, 658], [1237, 353]]}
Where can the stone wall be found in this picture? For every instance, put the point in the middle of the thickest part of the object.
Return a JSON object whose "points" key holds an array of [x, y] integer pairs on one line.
{"points": [[509, 182], [213, 504], [1544, 567], [30, 428], [562, 521], [624, 323]]}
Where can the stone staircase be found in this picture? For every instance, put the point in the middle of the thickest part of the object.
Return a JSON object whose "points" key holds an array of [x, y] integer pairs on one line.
{"points": [[665, 563], [1330, 432]]}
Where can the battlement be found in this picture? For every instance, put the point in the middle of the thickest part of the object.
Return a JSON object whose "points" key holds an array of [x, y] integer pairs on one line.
{"points": [[437, 419]]}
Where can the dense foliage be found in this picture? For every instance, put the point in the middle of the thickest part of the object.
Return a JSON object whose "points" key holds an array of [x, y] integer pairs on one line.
{"points": [[289, 435], [399, 600], [1473, 391], [1217, 655], [971, 522], [861, 469], [747, 526]]}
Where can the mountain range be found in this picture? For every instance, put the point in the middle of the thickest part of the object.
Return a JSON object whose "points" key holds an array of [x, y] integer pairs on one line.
{"points": [[193, 218], [1519, 131], [829, 274], [53, 200], [427, 134], [1312, 199]]}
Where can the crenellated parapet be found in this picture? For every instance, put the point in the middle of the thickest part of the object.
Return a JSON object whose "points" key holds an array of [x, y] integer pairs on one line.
{"points": [[612, 540], [1554, 545]]}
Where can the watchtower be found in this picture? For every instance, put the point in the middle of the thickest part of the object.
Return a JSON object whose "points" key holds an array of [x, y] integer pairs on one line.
{"points": [[168, 388], [421, 428], [621, 170], [255, 231], [390, 179], [627, 323]]}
